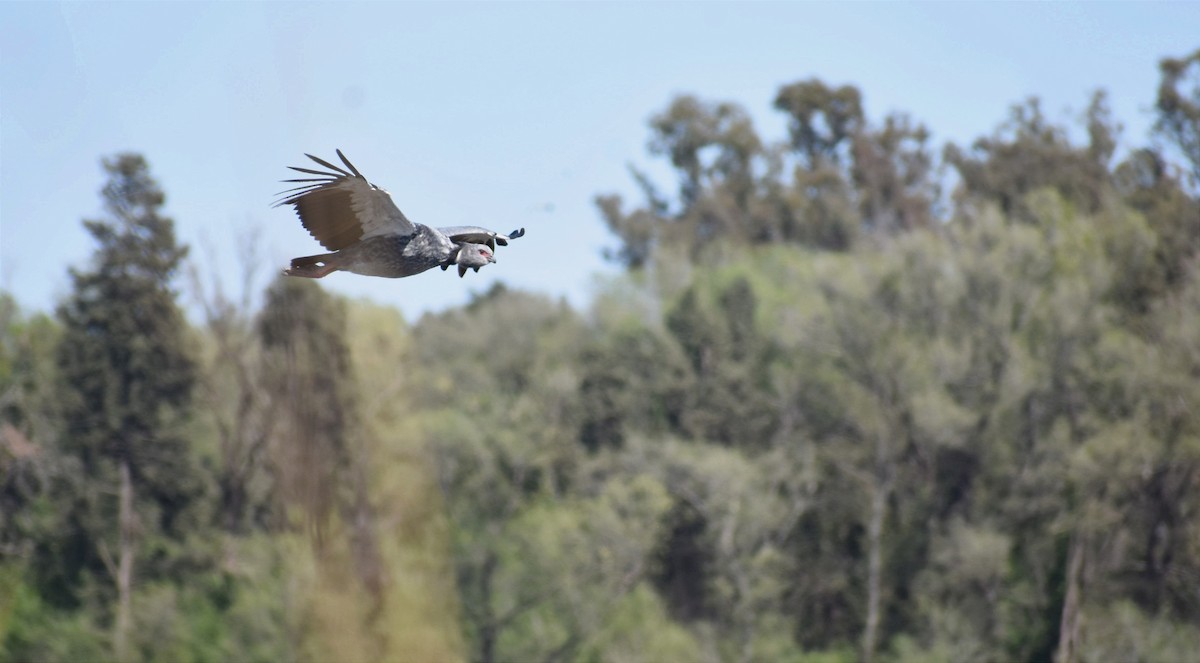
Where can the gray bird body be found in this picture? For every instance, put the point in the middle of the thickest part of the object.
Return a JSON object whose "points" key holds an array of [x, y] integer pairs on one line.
{"points": [[396, 256], [369, 235]]}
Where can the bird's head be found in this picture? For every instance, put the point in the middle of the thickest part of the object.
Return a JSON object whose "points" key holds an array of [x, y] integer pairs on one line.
{"points": [[473, 256]]}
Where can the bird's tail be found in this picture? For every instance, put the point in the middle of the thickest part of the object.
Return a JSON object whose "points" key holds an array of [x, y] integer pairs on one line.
{"points": [[312, 267]]}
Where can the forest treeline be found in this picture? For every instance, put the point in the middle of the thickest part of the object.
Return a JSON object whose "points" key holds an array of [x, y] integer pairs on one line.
{"points": [[852, 398]]}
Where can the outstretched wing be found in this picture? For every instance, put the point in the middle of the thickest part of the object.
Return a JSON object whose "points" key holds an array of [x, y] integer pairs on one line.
{"points": [[477, 235], [339, 208]]}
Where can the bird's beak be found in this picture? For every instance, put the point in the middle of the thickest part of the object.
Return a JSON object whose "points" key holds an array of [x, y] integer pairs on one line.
{"points": [[491, 258]]}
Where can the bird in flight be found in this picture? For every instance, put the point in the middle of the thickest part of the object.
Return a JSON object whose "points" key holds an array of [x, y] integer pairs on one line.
{"points": [[367, 234]]}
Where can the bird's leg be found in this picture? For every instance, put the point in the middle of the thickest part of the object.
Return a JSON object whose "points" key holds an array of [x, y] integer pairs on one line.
{"points": [[453, 259], [312, 267]]}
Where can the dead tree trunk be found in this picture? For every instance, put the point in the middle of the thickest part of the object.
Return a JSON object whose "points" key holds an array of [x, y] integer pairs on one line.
{"points": [[1068, 628], [881, 491], [124, 579], [879, 498]]}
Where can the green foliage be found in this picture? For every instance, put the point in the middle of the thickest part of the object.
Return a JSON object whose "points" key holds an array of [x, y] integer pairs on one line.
{"points": [[639, 629], [494, 398], [27, 347], [824, 416], [419, 615], [125, 384], [893, 449], [27, 429], [1124, 632], [723, 401], [37, 632], [631, 377]]}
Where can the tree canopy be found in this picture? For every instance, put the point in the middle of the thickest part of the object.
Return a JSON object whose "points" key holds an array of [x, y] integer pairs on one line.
{"points": [[854, 396]]}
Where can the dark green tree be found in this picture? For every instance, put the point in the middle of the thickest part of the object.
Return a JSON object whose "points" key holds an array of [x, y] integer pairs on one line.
{"points": [[727, 399], [126, 379], [630, 377]]}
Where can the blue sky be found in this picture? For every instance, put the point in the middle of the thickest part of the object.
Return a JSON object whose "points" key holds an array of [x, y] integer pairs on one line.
{"points": [[496, 114]]}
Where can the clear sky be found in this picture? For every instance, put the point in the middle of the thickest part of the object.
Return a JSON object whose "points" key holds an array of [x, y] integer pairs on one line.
{"points": [[494, 114]]}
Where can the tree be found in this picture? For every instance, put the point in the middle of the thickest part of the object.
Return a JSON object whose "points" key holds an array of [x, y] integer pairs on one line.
{"points": [[126, 383], [892, 174], [726, 400], [710, 144], [1029, 152], [879, 362], [1178, 106], [1146, 183], [719, 160], [27, 425], [27, 344], [846, 178], [235, 396], [494, 398], [318, 456], [821, 120], [307, 367], [630, 377]]}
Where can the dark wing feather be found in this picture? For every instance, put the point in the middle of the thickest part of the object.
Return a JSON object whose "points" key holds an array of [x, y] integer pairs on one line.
{"points": [[340, 208], [348, 164], [331, 166]]}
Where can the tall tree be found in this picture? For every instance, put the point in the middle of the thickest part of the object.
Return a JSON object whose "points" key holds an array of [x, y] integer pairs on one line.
{"points": [[726, 400], [1029, 152], [892, 173], [307, 366], [718, 159], [708, 143], [233, 395], [318, 453], [126, 385], [821, 120], [1179, 106]]}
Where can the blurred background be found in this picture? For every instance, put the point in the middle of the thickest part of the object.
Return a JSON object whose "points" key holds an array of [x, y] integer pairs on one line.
{"points": [[840, 332]]}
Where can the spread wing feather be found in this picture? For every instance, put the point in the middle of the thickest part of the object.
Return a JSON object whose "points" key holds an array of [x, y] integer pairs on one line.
{"points": [[329, 165], [477, 235], [339, 208]]}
